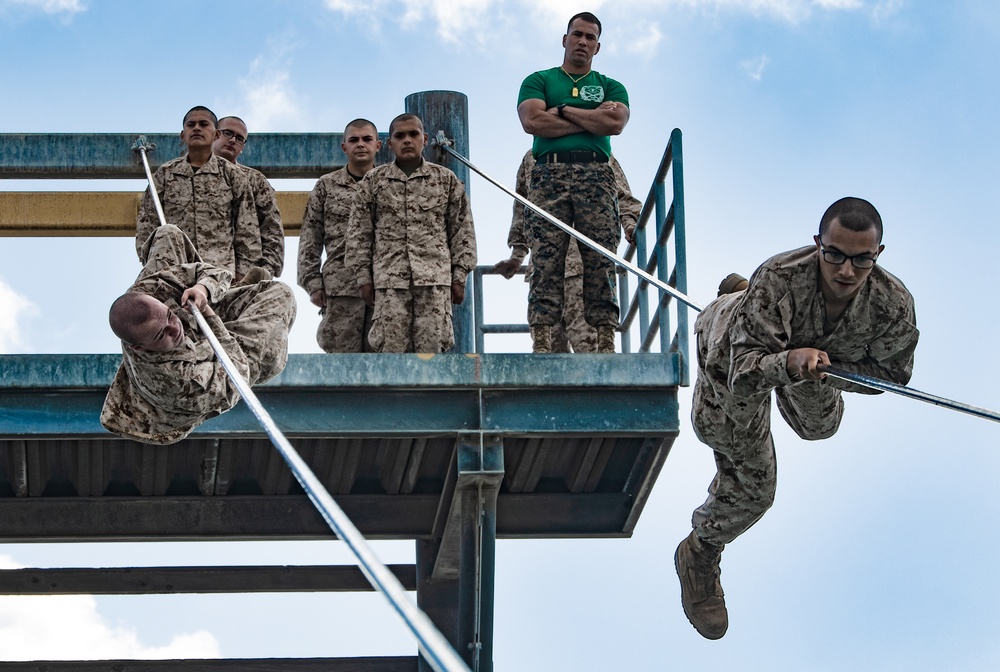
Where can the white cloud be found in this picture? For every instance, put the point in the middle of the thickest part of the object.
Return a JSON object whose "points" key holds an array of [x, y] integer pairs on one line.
{"points": [[885, 9], [65, 8], [479, 21], [13, 308], [269, 101], [646, 39], [754, 67], [839, 4], [69, 627]]}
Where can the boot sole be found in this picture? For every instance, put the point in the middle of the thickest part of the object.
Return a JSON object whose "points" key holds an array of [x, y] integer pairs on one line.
{"points": [[677, 568]]}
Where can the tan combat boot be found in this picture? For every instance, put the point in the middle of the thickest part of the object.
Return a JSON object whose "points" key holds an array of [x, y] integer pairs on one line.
{"points": [[541, 339], [605, 339], [704, 603]]}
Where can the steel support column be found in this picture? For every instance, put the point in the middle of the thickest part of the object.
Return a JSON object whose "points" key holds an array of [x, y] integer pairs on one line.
{"points": [[465, 559], [448, 111]]}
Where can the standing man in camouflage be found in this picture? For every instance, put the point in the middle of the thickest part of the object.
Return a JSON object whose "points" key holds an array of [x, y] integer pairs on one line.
{"points": [[229, 144], [333, 287], [170, 380], [411, 245], [572, 111], [821, 305], [572, 331], [205, 196]]}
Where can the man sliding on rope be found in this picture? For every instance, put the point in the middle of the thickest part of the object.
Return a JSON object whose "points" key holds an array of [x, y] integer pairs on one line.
{"points": [[170, 380], [803, 310]]}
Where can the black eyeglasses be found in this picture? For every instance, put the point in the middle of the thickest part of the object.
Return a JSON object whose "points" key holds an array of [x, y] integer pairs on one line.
{"points": [[241, 140], [836, 257]]}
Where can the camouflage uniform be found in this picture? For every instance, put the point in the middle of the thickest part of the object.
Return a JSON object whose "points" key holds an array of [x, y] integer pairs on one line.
{"points": [[573, 330], [212, 205], [743, 343], [160, 397], [346, 318], [413, 238], [272, 233]]}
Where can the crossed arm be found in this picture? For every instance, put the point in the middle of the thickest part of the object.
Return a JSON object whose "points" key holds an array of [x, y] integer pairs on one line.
{"points": [[608, 118]]}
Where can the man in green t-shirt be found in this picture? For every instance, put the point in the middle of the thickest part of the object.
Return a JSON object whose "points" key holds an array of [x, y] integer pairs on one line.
{"points": [[572, 110]]}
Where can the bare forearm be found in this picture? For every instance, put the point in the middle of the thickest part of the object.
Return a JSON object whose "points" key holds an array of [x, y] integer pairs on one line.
{"points": [[607, 119]]}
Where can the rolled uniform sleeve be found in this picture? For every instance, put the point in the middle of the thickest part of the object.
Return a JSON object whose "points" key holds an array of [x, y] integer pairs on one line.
{"points": [[759, 334], [310, 274], [461, 233]]}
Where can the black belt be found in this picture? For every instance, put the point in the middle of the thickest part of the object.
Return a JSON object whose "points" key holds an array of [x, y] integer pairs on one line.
{"points": [[574, 156]]}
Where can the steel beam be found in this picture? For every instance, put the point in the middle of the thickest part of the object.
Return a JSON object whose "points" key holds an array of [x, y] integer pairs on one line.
{"points": [[192, 580], [110, 155], [365, 664], [66, 214], [256, 517]]}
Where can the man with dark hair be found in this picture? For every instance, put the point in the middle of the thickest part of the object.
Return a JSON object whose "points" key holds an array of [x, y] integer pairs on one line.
{"points": [[208, 198], [572, 333], [572, 111], [229, 143], [170, 380], [332, 287], [411, 245], [821, 305]]}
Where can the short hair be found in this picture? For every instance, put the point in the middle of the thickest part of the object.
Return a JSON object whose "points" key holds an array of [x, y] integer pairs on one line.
{"points": [[231, 116], [360, 123], [201, 108], [406, 116], [586, 16], [854, 214], [129, 312]]}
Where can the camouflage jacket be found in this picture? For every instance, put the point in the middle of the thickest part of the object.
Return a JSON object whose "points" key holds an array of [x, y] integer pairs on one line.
{"points": [[629, 208], [414, 229], [324, 225], [272, 233], [213, 206], [783, 309], [159, 397]]}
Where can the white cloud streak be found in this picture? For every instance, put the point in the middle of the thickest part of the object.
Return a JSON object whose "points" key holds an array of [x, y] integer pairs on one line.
{"points": [[64, 8], [269, 101], [69, 627], [478, 21], [13, 309], [754, 67]]}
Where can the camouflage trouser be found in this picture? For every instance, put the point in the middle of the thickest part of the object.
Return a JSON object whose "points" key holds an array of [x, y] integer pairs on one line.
{"points": [[259, 316], [739, 431], [573, 334], [583, 195], [345, 325], [417, 319], [258, 312]]}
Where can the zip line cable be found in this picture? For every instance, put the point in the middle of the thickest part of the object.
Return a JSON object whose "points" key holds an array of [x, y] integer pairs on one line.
{"points": [[442, 142], [887, 386], [433, 645]]}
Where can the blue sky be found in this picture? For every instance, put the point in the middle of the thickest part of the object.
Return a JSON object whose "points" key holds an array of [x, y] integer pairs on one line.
{"points": [[879, 553]]}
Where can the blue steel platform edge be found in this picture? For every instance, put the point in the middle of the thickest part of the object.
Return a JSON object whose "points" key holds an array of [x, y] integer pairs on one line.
{"points": [[400, 371]]}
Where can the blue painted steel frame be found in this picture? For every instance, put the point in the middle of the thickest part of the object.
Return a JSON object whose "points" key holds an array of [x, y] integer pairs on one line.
{"points": [[387, 395], [668, 219]]}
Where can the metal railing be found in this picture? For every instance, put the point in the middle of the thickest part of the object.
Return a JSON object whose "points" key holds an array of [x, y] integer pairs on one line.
{"points": [[642, 320]]}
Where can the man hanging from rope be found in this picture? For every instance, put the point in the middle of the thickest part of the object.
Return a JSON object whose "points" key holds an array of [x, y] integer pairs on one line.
{"points": [[170, 380], [803, 310]]}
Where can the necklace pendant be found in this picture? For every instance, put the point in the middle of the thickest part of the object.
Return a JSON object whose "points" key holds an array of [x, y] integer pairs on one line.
{"points": [[576, 92]]}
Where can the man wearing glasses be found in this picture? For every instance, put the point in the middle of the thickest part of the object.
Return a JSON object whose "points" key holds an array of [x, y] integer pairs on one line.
{"points": [[820, 305], [229, 144], [206, 197]]}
